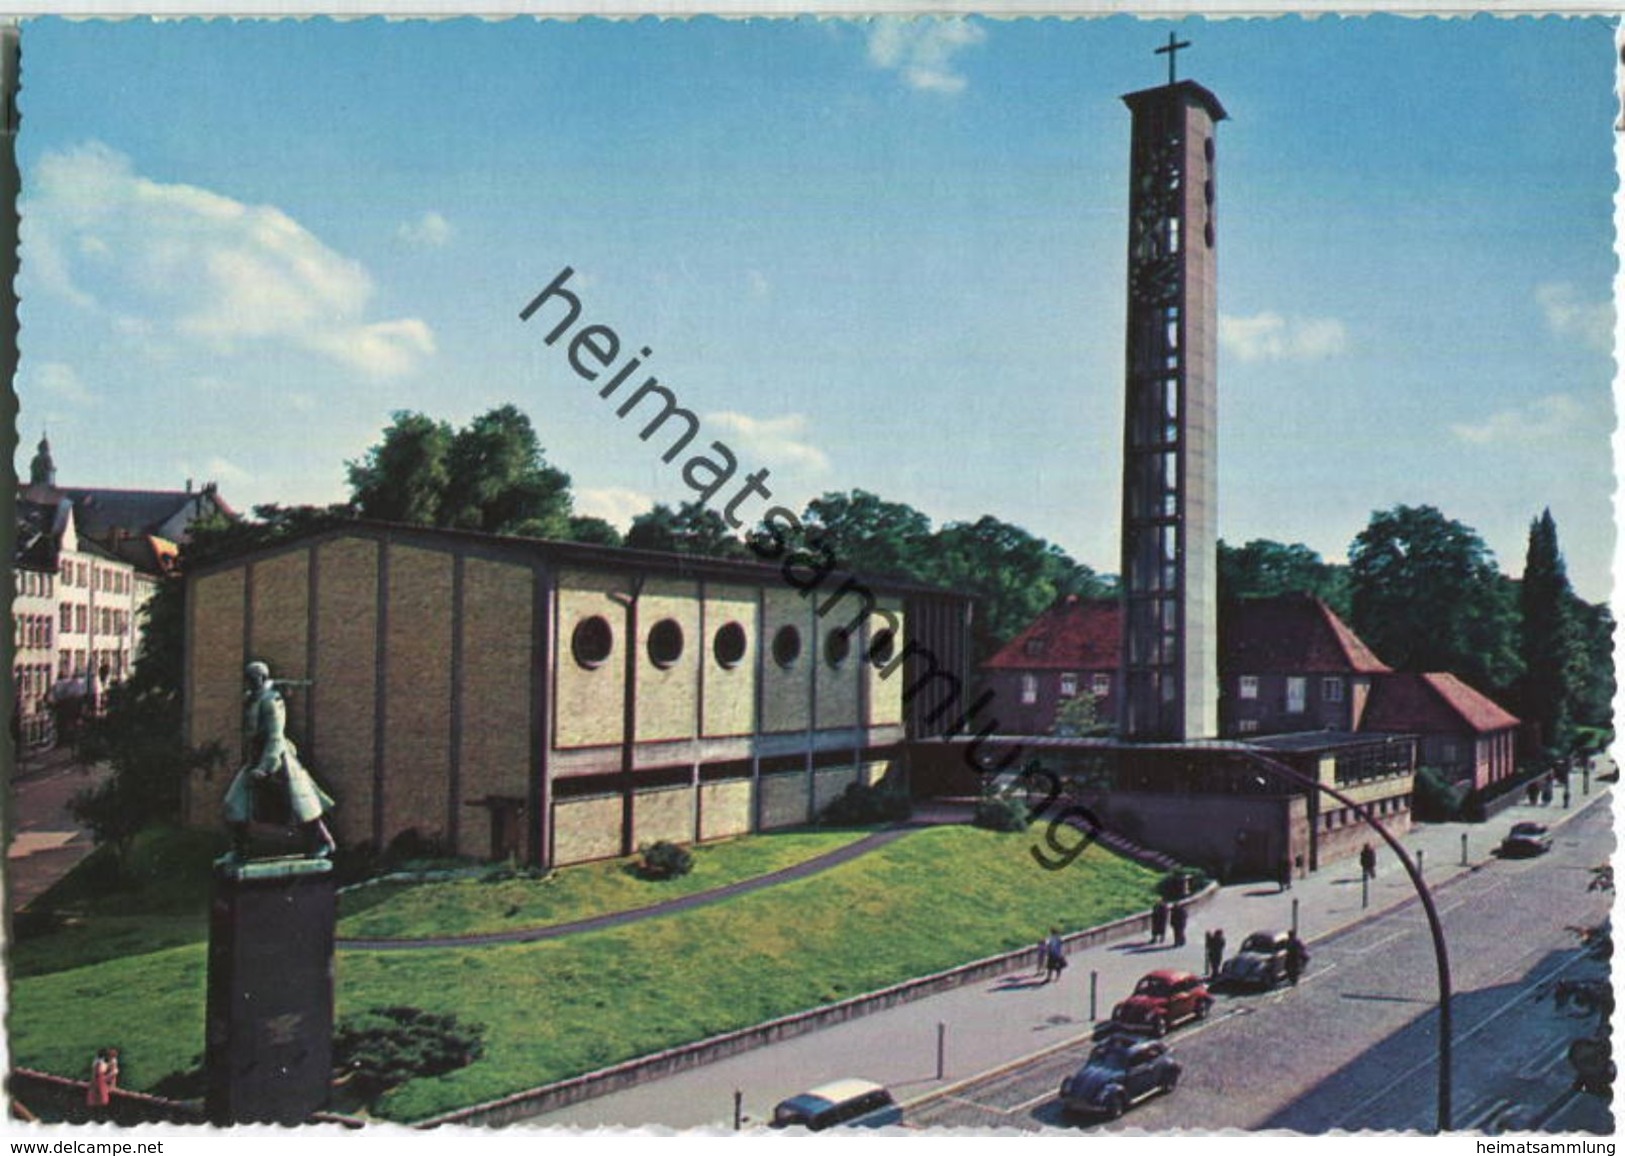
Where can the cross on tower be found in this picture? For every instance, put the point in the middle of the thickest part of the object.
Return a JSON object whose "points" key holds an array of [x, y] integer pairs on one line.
{"points": [[1171, 49]]}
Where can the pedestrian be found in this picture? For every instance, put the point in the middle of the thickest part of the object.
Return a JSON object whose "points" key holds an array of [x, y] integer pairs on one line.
{"points": [[1054, 956], [1297, 957], [1042, 967], [1368, 861], [1176, 920], [1546, 791], [1284, 881], [99, 1091], [1532, 792], [1215, 952], [1159, 921]]}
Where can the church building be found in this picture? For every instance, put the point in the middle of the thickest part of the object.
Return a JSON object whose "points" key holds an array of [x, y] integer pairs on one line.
{"points": [[558, 702]]}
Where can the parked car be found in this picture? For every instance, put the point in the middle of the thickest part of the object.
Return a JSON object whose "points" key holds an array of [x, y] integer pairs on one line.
{"points": [[1524, 841], [1261, 962], [854, 1103], [1163, 999], [1120, 1071]]}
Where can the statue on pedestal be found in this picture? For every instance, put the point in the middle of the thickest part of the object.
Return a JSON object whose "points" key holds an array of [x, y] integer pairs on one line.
{"points": [[273, 765]]}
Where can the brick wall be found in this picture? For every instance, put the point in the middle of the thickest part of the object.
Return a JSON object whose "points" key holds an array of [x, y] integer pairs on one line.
{"points": [[829, 783], [784, 800], [725, 808], [585, 829], [588, 702], [344, 697], [730, 692], [279, 633], [663, 814], [417, 686], [215, 677], [786, 688], [496, 690], [668, 698]]}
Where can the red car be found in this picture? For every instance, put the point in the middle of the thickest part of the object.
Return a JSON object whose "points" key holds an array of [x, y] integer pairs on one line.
{"points": [[1162, 999]]}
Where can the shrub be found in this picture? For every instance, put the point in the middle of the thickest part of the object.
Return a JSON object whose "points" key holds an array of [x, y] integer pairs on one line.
{"points": [[1437, 799], [1002, 813], [386, 1046], [664, 860], [861, 805]]}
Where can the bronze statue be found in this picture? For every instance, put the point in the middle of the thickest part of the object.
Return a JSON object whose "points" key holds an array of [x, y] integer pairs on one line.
{"points": [[273, 762]]}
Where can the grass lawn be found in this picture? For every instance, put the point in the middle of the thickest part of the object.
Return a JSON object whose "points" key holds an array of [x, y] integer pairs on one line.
{"points": [[475, 905], [931, 900]]}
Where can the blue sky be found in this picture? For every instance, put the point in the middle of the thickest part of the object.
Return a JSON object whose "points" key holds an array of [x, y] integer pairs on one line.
{"points": [[885, 255]]}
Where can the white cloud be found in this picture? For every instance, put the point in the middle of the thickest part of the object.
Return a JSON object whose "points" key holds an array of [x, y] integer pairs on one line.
{"points": [[176, 261], [1270, 337], [921, 50], [60, 381], [776, 442], [615, 504], [1552, 419], [430, 231], [226, 473], [1591, 322]]}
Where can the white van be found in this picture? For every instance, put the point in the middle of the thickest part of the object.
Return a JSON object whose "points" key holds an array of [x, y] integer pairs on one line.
{"points": [[854, 1103]]}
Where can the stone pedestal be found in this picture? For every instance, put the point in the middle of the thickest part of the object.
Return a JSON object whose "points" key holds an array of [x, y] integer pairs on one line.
{"points": [[269, 1049]]}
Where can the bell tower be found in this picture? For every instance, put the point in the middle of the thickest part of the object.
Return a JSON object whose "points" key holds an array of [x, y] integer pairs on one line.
{"points": [[1170, 423]]}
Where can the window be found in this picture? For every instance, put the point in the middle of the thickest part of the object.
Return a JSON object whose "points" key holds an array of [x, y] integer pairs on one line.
{"points": [[1248, 726], [81, 619], [1249, 686], [1100, 685], [837, 645], [786, 646], [1297, 689], [67, 617], [665, 643], [728, 647], [1029, 689], [591, 642], [882, 647], [1069, 684], [1331, 689], [1034, 648]]}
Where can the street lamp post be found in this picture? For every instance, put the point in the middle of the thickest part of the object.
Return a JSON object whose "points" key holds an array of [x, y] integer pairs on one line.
{"points": [[1413, 868]]}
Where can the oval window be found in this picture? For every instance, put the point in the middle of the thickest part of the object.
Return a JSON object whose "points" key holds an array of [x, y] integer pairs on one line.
{"points": [[837, 645], [665, 643], [881, 647], [591, 641], [786, 646], [728, 647]]}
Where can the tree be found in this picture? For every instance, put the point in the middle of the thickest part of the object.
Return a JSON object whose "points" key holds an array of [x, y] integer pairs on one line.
{"points": [[1427, 596], [870, 535], [491, 475], [692, 528], [404, 477], [1594, 692], [1263, 568], [500, 481], [1079, 716], [598, 532], [1014, 575], [1553, 657]]}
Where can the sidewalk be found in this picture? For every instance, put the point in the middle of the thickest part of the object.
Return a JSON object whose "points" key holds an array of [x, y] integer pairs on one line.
{"points": [[996, 1023]]}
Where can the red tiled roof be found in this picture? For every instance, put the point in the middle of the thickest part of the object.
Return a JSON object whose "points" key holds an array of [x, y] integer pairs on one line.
{"points": [[1427, 703], [1074, 634], [1292, 632]]}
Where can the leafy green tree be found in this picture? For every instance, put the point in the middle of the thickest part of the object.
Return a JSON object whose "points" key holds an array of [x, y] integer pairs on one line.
{"points": [[1594, 692], [491, 475], [692, 528], [1079, 716], [404, 477], [1553, 656], [598, 532], [1014, 574], [1263, 568], [500, 481], [870, 535], [1427, 596]]}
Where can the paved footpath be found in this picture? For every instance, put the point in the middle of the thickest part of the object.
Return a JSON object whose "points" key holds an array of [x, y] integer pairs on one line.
{"points": [[1000, 1022]]}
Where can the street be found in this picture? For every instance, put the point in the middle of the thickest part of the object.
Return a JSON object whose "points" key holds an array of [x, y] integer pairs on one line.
{"points": [[1354, 1046], [46, 841]]}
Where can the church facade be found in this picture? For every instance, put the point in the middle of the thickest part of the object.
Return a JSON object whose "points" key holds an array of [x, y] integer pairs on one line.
{"points": [[557, 702]]}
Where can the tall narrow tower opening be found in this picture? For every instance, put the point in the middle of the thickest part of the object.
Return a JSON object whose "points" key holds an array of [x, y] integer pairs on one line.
{"points": [[1170, 420]]}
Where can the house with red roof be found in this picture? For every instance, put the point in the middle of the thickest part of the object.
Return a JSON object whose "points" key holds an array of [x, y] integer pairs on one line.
{"points": [[1462, 732], [1287, 665]]}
